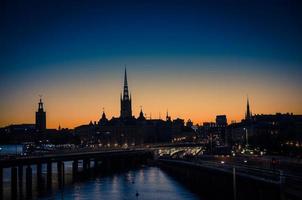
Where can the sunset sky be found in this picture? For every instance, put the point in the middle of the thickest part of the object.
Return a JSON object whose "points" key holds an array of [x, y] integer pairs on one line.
{"points": [[195, 58]]}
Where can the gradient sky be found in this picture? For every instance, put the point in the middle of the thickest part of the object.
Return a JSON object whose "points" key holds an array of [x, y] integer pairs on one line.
{"points": [[195, 58]]}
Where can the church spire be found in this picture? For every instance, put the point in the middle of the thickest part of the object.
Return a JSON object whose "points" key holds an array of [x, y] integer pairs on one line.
{"points": [[125, 92], [125, 77], [168, 118], [126, 111], [248, 113]]}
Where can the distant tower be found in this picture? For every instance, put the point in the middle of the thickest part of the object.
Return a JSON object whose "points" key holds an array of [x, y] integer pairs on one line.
{"points": [[248, 114], [126, 111], [141, 115], [40, 117], [103, 121], [189, 123], [168, 118]]}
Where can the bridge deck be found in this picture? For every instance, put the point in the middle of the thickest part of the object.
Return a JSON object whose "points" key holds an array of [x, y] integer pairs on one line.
{"points": [[28, 160]]}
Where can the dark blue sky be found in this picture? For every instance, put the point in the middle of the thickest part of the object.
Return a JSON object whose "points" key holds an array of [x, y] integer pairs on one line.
{"points": [[45, 44], [38, 32]]}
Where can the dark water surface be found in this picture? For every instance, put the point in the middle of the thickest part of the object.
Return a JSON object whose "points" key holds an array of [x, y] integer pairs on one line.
{"points": [[147, 183]]}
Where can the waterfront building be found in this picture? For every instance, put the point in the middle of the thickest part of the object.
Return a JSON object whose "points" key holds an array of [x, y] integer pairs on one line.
{"points": [[280, 133], [40, 118], [127, 130]]}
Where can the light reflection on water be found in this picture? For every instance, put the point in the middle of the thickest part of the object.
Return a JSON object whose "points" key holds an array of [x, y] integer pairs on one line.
{"points": [[7, 178], [6, 149], [149, 182]]}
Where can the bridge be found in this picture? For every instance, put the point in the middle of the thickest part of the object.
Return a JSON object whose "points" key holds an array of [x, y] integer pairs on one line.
{"points": [[103, 161], [233, 177]]}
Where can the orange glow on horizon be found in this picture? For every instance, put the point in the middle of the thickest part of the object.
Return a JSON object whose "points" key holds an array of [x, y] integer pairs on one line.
{"points": [[84, 110], [74, 99]]}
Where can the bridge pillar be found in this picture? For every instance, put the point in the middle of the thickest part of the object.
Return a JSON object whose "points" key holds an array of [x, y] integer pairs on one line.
{"points": [[107, 164], [14, 181], [114, 163], [234, 184], [60, 167], [49, 175], [86, 164], [1, 183], [97, 165], [28, 181], [122, 164], [133, 162], [63, 173], [39, 176], [75, 166], [20, 181]]}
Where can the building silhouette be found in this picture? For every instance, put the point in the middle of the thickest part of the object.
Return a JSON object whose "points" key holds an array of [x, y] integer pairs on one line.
{"points": [[275, 132], [129, 130], [126, 108], [118, 131], [213, 134], [221, 120], [141, 116], [248, 113], [40, 118]]}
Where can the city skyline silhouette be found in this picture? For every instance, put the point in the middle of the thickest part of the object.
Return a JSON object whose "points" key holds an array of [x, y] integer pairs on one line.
{"points": [[159, 115], [195, 58], [151, 99]]}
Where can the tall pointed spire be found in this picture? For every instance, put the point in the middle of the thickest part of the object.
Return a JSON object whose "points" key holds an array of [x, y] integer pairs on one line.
{"points": [[125, 92], [168, 118], [126, 111], [125, 77], [248, 114]]}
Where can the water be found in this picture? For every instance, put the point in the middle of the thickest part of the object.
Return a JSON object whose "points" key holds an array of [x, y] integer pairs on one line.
{"points": [[149, 183], [6, 149]]}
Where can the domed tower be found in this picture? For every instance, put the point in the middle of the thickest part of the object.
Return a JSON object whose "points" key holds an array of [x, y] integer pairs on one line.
{"points": [[141, 115], [103, 121]]}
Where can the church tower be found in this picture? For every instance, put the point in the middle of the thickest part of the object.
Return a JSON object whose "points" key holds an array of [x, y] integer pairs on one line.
{"points": [[126, 110], [40, 117], [103, 121], [248, 114], [141, 115]]}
